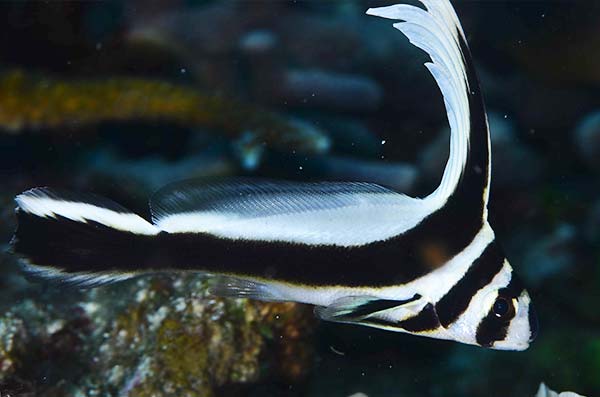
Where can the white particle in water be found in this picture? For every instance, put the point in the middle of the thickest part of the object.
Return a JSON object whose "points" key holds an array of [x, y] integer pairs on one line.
{"points": [[383, 142]]}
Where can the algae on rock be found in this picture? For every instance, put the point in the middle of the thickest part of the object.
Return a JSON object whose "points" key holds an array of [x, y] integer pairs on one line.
{"points": [[155, 336]]}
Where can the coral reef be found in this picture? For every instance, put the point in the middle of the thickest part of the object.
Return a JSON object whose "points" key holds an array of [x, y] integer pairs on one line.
{"points": [[12, 347], [153, 337]]}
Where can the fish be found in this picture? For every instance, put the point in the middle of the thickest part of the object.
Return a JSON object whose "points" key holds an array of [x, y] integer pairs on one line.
{"points": [[361, 253]]}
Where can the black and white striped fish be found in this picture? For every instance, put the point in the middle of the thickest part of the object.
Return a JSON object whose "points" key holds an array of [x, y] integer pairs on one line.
{"points": [[361, 253]]}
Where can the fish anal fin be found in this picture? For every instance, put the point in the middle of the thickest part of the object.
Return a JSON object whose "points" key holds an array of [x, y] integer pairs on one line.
{"points": [[355, 309], [234, 287]]}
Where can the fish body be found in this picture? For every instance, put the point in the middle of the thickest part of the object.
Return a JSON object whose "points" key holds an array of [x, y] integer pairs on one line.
{"points": [[361, 253]]}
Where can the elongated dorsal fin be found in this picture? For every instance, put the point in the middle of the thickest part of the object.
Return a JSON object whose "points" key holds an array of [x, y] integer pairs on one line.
{"points": [[438, 32]]}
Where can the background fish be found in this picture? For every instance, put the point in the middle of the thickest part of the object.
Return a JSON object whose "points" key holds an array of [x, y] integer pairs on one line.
{"points": [[360, 252]]}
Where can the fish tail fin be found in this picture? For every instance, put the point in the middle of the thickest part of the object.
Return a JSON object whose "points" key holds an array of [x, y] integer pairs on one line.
{"points": [[83, 240]]}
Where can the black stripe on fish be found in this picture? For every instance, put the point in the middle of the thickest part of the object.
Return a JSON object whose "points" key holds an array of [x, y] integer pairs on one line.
{"points": [[425, 320], [493, 328], [76, 246], [474, 180], [482, 271]]}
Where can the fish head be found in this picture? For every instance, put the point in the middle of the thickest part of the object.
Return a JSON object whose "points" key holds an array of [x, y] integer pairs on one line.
{"points": [[511, 323], [500, 315]]}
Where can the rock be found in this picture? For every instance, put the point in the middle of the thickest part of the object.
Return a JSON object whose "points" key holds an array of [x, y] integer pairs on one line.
{"points": [[13, 342], [587, 139], [154, 336]]}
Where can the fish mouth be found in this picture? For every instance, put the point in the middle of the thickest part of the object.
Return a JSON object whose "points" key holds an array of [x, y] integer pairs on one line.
{"points": [[533, 324]]}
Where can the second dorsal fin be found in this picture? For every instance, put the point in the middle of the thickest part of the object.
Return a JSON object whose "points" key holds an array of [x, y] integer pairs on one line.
{"points": [[330, 213]]}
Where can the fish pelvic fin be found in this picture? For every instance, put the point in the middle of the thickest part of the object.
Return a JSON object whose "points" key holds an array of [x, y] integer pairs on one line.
{"points": [[437, 31], [357, 309]]}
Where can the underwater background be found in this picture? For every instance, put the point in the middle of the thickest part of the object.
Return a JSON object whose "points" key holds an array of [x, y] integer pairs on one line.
{"points": [[121, 98]]}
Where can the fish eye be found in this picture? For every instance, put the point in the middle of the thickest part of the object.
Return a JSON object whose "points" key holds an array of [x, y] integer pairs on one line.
{"points": [[501, 307]]}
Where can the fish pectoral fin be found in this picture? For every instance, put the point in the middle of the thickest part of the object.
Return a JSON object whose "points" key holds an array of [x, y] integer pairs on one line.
{"points": [[358, 308]]}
